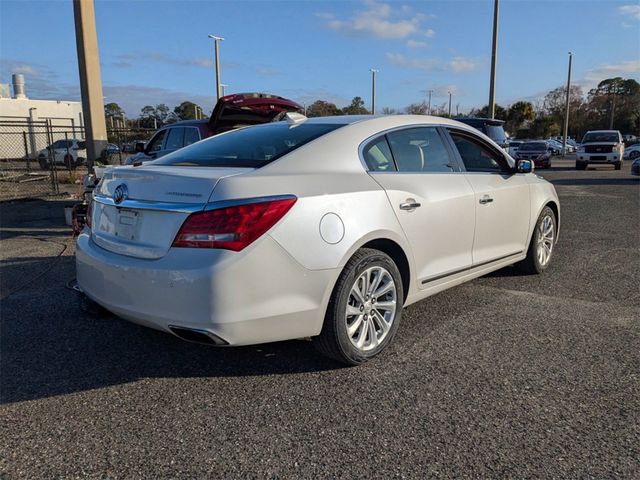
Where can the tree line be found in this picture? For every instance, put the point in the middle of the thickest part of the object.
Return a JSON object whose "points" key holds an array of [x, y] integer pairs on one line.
{"points": [[153, 116], [613, 104]]}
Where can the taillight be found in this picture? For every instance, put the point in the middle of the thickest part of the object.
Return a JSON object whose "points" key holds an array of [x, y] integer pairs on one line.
{"points": [[89, 213], [231, 228]]}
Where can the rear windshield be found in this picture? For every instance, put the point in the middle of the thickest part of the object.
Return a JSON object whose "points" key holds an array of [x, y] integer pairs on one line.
{"points": [[247, 147], [533, 146], [601, 137], [496, 133]]}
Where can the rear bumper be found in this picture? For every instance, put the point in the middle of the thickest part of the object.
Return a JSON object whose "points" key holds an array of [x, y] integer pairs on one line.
{"points": [[259, 295], [613, 157]]}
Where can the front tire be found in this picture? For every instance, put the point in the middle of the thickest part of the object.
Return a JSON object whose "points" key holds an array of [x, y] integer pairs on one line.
{"points": [[581, 165], [365, 309], [542, 244], [617, 165]]}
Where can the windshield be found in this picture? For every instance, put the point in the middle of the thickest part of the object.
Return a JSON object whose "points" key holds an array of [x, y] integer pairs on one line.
{"points": [[601, 137], [532, 146], [496, 133], [251, 147]]}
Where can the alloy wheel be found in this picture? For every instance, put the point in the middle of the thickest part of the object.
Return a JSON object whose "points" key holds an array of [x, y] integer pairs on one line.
{"points": [[546, 237], [371, 308]]}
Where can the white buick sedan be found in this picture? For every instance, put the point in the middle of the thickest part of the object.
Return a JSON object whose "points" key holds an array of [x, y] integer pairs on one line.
{"points": [[323, 228]]}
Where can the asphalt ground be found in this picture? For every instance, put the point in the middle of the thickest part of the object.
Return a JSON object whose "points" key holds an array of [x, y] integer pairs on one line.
{"points": [[506, 376]]}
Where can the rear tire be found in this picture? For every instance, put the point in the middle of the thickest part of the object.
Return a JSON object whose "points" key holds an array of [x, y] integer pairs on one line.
{"points": [[581, 165], [542, 244], [357, 326]]}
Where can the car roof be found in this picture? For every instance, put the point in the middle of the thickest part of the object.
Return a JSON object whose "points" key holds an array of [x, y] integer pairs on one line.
{"points": [[391, 119]]}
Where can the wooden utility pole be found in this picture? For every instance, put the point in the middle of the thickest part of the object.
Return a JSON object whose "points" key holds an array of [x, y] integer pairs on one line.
{"points": [[90, 81]]}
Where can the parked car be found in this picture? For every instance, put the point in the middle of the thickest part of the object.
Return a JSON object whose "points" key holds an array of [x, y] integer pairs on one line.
{"points": [[322, 228], [555, 146], [130, 147], [231, 111], [635, 167], [632, 152], [69, 152], [537, 151], [600, 147], [494, 129], [513, 147], [112, 149]]}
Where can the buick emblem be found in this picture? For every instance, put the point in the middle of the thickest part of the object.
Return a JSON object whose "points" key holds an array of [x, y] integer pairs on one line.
{"points": [[121, 193]]}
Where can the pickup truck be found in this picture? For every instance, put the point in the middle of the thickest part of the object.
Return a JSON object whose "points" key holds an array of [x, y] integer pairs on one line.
{"points": [[600, 147]]}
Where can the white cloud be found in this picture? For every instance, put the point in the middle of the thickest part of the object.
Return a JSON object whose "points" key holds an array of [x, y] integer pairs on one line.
{"points": [[456, 64], [463, 64], [416, 44], [427, 64], [632, 11], [628, 69], [378, 20], [129, 59], [430, 33]]}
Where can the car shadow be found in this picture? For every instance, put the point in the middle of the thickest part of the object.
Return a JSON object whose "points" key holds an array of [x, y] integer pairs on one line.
{"points": [[55, 341]]}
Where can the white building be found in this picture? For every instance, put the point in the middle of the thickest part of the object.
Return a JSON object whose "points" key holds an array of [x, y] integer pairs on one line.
{"points": [[21, 114]]}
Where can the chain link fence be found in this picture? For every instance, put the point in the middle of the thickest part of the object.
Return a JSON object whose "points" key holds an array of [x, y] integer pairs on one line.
{"points": [[39, 159]]}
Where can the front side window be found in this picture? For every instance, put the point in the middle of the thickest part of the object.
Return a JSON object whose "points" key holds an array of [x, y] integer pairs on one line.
{"points": [[419, 149], [156, 142], [174, 139], [377, 156], [476, 156]]}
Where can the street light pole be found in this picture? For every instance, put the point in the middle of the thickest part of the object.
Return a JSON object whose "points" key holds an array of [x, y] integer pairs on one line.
{"points": [[494, 58], [224, 86], [566, 109], [373, 90], [216, 41], [450, 103], [429, 107]]}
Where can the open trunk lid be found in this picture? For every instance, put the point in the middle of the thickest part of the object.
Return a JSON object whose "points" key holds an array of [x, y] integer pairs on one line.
{"points": [[138, 211], [242, 109]]}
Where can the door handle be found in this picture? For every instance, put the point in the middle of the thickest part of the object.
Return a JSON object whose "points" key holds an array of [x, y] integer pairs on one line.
{"points": [[409, 205], [486, 199]]}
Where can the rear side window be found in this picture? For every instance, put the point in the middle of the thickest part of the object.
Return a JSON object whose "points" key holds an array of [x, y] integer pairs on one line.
{"points": [[476, 156], [174, 139], [251, 147], [419, 150], [377, 156]]}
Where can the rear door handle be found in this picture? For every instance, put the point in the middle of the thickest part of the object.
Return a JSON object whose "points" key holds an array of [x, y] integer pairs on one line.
{"points": [[486, 199], [409, 205]]}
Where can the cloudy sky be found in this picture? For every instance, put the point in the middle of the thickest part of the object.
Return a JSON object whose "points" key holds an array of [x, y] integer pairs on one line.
{"points": [[158, 51]]}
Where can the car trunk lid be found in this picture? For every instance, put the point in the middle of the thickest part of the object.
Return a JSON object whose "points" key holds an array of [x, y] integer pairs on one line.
{"points": [[241, 109], [138, 211]]}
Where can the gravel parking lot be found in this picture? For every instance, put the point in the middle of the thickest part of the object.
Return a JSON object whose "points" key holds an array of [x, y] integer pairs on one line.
{"points": [[506, 376]]}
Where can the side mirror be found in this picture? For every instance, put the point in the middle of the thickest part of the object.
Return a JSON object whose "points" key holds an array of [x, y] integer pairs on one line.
{"points": [[139, 147], [524, 166]]}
